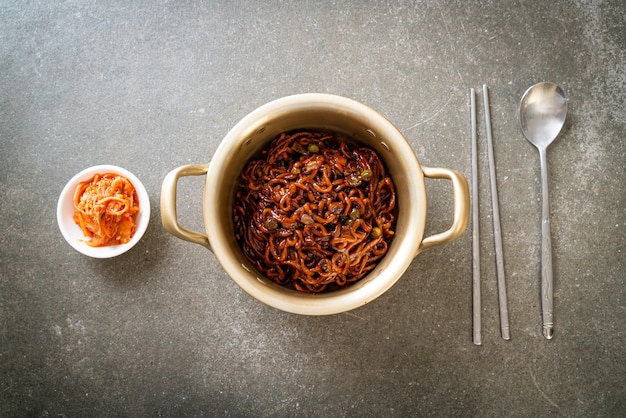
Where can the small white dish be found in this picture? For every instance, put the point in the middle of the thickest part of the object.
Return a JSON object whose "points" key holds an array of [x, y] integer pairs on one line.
{"points": [[72, 232]]}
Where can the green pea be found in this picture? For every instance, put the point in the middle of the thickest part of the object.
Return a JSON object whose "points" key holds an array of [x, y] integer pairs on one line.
{"points": [[271, 224]]}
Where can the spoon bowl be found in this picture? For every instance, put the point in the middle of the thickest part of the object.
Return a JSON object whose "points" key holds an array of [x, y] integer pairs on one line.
{"points": [[542, 114]]}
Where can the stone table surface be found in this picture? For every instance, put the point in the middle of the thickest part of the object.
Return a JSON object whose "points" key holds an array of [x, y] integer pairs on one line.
{"points": [[163, 331]]}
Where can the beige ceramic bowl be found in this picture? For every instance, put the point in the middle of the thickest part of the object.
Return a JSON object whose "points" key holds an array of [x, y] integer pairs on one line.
{"points": [[315, 111]]}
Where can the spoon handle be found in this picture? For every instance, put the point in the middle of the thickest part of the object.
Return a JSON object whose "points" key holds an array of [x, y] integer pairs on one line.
{"points": [[546, 252]]}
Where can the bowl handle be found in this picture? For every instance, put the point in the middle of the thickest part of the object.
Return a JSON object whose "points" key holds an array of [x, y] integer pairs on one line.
{"points": [[461, 206], [168, 203]]}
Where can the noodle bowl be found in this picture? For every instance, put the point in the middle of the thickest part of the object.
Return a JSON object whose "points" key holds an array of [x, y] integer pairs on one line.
{"points": [[359, 125]]}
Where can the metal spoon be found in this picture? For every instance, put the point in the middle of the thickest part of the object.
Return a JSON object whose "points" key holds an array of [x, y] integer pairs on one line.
{"points": [[542, 114]]}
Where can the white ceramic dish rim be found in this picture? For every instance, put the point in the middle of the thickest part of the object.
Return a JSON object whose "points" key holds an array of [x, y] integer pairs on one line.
{"points": [[72, 232]]}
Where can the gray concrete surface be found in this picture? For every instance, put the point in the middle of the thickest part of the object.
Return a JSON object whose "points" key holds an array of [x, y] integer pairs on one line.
{"points": [[163, 331]]}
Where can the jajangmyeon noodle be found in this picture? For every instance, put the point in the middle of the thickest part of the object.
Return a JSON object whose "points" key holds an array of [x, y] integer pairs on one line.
{"points": [[314, 210]]}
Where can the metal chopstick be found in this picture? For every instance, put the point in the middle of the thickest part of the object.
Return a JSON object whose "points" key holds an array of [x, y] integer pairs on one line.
{"points": [[504, 311], [476, 320]]}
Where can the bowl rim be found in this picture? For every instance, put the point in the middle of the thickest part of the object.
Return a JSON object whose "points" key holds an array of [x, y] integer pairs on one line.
{"points": [[74, 235]]}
